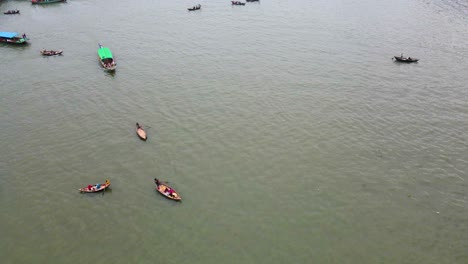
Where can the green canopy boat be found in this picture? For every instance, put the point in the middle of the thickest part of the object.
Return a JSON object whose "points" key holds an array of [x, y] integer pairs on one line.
{"points": [[13, 37], [106, 58]]}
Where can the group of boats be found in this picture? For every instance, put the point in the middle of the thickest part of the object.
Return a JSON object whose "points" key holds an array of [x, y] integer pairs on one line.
{"points": [[162, 187], [198, 7]]}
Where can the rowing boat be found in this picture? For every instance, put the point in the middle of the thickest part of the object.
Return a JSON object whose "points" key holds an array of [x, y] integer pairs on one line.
{"points": [[51, 52], [167, 191], [141, 132], [95, 188], [46, 1]]}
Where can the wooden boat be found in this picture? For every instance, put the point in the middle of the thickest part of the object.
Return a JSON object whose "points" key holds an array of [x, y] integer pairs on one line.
{"points": [[11, 12], [95, 188], [197, 7], [237, 3], [252, 0], [404, 59], [140, 132], [106, 59], [51, 52], [167, 191], [46, 1], [13, 37]]}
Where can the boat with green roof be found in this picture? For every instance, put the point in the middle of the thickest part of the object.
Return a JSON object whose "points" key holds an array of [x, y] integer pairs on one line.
{"points": [[106, 59], [13, 37]]}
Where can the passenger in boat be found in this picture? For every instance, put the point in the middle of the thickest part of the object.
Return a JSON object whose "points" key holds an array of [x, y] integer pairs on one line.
{"points": [[409, 58], [90, 187], [98, 186], [24, 35], [157, 181]]}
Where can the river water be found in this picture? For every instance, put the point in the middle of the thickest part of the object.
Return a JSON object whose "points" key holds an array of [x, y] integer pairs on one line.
{"points": [[287, 129]]}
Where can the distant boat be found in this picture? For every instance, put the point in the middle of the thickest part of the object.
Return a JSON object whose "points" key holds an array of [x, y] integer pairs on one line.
{"points": [[237, 3], [252, 0], [95, 188], [106, 59], [141, 132], [46, 1], [51, 52], [11, 12], [197, 7], [404, 59], [13, 37], [167, 191]]}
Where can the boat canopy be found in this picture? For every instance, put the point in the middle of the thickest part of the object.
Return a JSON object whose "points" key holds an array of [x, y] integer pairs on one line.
{"points": [[104, 53], [8, 34]]}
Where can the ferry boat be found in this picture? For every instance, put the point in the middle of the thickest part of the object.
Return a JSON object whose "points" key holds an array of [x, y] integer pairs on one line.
{"points": [[13, 37]]}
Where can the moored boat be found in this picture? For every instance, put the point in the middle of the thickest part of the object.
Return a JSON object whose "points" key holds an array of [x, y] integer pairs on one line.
{"points": [[51, 52], [106, 59], [167, 191], [13, 37], [95, 188], [46, 1], [404, 59], [11, 12], [141, 132]]}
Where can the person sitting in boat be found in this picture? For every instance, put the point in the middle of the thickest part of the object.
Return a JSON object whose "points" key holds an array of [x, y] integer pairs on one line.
{"points": [[409, 58], [90, 187], [98, 186], [107, 182]]}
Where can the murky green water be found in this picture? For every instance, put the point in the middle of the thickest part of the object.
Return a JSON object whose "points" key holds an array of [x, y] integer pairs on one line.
{"points": [[288, 130]]}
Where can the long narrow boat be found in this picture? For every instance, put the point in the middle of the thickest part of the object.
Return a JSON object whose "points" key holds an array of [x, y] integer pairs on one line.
{"points": [[46, 1], [13, 37], [197, 7], [11, 12], [51, 52], [106, 59], [141, 132], [167, 191], [405, 59], [95, 188]]}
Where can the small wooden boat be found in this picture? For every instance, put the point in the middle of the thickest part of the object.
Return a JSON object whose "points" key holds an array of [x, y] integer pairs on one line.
{"points": [[11, 12], [106, 59], [237, 3], [404, 59], [167, 191], [252, 0], [197, 7], [95, 188], [13, 37], [46, 1], [141, 132], [51, 52]]}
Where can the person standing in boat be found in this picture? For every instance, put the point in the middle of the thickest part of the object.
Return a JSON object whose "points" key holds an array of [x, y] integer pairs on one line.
{"points": [[157, 182]]}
